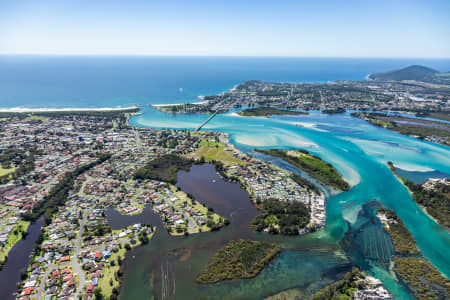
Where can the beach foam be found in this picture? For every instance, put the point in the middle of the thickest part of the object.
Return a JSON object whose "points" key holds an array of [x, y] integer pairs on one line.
{"points": [[25, 110]]}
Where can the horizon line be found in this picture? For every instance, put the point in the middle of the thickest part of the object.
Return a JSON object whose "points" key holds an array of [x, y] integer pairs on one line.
{"points": [[224, 56]]}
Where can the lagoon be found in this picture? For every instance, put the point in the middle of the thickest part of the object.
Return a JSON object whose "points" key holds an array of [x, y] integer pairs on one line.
{"points": [[360, 152]]}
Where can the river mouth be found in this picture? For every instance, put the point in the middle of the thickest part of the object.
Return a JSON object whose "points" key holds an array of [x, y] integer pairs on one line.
{"points": [[166, 268]]}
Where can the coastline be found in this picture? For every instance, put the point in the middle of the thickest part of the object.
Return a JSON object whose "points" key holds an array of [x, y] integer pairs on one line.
{"points": [[68, 109], [176, 104]]}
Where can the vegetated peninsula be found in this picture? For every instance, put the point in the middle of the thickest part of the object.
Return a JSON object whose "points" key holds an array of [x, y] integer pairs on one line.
{"points": [[311, 164], [433, 196], [433, 131], [401, 238], [238, 260], [284, 217], [416, 73], [420, 276], [267, 112]]}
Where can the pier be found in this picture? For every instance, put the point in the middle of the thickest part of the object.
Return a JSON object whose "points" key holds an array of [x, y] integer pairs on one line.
{"points": [[207, 120]]}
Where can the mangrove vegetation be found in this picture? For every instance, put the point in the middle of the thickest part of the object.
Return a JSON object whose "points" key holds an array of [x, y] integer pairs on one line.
{"points": [[238, 260]]}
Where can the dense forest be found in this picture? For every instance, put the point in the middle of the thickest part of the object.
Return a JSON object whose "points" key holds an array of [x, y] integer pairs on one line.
{"points": [[409, 73], [422, 277], [401, 238], [238, 260], [164, 168], [284, 217], [436, 201]]}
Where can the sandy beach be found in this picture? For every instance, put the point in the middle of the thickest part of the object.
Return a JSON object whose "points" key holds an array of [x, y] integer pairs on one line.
{"points": [[28, 110]]}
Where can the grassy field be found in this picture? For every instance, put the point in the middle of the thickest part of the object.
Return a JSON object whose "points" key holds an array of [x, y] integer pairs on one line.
{"points": [[21, 227], [212, 150], [382, 123], [108, 273], [41, 118], [6, 171]]}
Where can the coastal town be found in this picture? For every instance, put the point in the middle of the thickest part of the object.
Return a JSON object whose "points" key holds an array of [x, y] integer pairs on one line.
{"points": [[328, 97], [81, 165]]}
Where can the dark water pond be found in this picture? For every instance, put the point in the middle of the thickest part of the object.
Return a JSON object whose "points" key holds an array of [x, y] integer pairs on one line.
{"points": [[118, 221], [166, 268]]}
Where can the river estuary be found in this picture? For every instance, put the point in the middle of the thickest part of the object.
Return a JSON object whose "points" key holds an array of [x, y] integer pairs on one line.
{"points": [[166, 268]]}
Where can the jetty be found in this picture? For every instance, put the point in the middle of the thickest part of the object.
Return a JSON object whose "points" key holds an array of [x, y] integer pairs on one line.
{"points": [[207, 120]]}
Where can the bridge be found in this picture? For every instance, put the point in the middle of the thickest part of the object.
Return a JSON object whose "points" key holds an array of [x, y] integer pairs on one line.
{"points": [[207, 120]]}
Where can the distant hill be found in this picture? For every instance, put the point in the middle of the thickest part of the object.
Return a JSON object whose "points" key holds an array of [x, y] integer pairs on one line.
{"points": [[419, 73]]}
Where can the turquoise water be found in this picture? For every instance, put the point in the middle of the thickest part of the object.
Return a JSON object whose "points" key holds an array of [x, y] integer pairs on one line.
{"points": [[360, 152]]}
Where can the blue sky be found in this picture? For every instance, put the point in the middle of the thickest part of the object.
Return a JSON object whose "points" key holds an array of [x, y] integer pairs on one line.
{"points": [[344, 28]]}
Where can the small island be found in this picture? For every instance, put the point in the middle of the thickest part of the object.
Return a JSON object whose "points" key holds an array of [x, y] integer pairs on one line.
{"points": [[311, 164], [268, 111], [433, 131], [238, 260]]}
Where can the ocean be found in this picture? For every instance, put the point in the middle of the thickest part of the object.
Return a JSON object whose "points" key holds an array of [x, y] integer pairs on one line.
{"points": [[96, 81]]}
